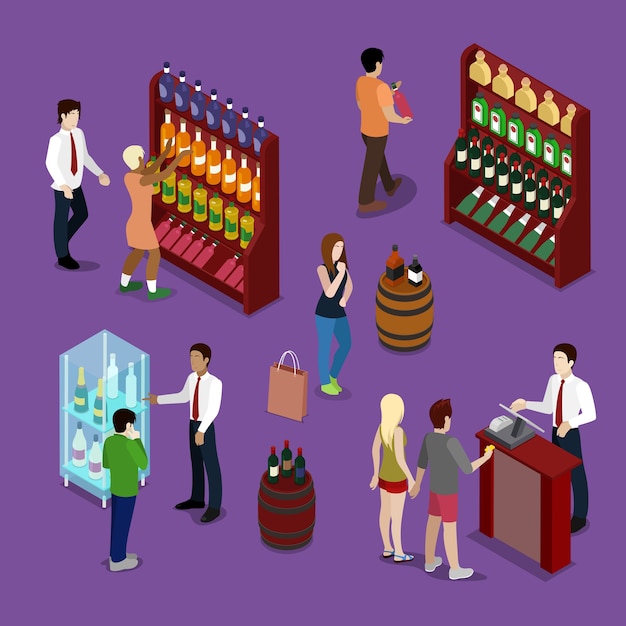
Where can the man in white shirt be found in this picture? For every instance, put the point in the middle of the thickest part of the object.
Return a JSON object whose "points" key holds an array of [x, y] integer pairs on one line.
{"points": [[203, 391], [569, 400], [66, 157]]}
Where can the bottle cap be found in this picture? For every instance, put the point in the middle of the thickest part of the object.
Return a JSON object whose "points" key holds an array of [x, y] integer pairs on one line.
{"points": [[79, 425], [461, 132], [480, 56], [229, 101], [515, 115], [231, 204], [214, 92], [299, 451], [479, 94], [571, 108], [525, 82], [246, 212], [244, 110], [533, 126], [95, 438], [181, 76], [184, 176], [273, 449], [166, 64], [497, 105], [199, 185], [216, 195], [548, 95], [213, 138], [415, 258], [502, 68], [286, 443], [198, 83], [394, 247], [261, 119], [550, 135], [501, 155], [568, 146]]}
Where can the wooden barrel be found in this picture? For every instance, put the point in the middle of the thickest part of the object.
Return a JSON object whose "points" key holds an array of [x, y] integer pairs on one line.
{"points": [[286, 512], [404, 314]]}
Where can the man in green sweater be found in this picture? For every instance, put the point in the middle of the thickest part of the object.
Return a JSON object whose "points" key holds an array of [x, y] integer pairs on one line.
{"points": [[123, 454]]}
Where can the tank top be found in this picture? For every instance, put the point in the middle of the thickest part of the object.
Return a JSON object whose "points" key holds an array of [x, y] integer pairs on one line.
{"points": [[389, 468], [330, 307]]}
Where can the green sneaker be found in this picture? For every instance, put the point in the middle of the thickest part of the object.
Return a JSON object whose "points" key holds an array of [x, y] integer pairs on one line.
{"points": [[133, 285], [159, 293], [330, 389], [335, 384]]}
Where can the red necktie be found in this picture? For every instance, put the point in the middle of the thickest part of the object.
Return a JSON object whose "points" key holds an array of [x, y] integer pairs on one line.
{"points": [[195, 413], [559, 405], [74, 165]]}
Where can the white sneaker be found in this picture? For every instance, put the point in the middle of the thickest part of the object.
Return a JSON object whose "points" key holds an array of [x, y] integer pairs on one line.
{"points": [[461, 572], [122, 565], [431, 567]]}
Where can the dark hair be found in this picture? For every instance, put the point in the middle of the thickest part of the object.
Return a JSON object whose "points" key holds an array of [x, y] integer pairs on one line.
{"points": [[438, 412], [568, 349], [370, 57], [328, 243], [203, 349], [66, 106], [121, 417]]}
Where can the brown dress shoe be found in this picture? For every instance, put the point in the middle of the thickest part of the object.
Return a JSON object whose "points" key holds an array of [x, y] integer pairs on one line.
{"points": [[396, 184], [377, 205]]}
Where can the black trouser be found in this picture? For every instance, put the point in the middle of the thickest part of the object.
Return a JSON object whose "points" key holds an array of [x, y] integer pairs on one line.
{"points": [[64, 230], [571, 443], [206, 455], [375, 165]]}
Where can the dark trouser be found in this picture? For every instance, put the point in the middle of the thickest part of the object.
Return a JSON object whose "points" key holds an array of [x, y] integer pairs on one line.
{"points": [[571, 443], [64, 230], [205, 454], [121, 516], [375, 165]]}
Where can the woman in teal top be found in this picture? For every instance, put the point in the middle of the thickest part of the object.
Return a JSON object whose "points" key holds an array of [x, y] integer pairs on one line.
{"points": [[392, 476]]}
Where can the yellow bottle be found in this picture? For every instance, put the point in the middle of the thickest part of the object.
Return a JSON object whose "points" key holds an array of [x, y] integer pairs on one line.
{"points": [[199, 204], [156, 187], [244, 181], [525, 97], [214, 164], [548, 110], [168, 132], [247, 229], [184, 195], [168, 193], [183, 142], [198, 155], [216, 212], [502, 83], [479, 71], [229, 173], [256, 189], [231, 221], [566, 122]]}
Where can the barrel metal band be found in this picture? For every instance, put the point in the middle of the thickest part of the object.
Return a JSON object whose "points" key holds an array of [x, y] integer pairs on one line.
{"points": [[278, 535], [277, 495], [386, 309], [404, 297], [404, 337], [404, 349], [283, 511]]}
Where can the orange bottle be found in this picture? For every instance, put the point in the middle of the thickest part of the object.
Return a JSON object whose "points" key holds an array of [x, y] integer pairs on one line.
{"points": [[168, 132], [198, 155], [183, 142], [256, 189], [229, 173], [244, 181], [213, 163], [394, 274]]}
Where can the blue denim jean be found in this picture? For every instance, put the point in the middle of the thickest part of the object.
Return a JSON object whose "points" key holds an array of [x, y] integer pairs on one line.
{"points": [[326, 328]]}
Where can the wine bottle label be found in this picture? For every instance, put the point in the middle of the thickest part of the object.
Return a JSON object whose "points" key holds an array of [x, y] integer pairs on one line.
{"points": [[215, 216], [475, 164], [495, 124], [168, 190], [274, 470], [415, 277], [287, 464], [489, 172], [173, 146], [246, 235], [210, 118], [566, 164], [513, 134], [79, 455], [183, 198], [245, 187], [477, 112], [200, 160], [215, 169], [182, 147], [517, 188], [544, 204], [230, 178], [199, 207], [230, 227], [503, 180], [531, 196], [79, 401], [257, 196], [95, 468], [299, 472], [241, 135], [461, 155], [257, 145]]}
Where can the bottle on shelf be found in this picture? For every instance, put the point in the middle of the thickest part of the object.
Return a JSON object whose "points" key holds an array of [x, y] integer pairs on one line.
{"points": [[183, 142], [164, 227], [544, 195], [530, 240], [98, 414], [181, 93], [566, 160], [156, 187], [530, 187], [479, 109], [236, 276], [227, 267], [260, 135], [112, 378], [239, 286], [551, 151], [198, 103], [502, 173], [515, 130], [81, 395], [173, 236], [517, 180], [568, 194], [272, 466], [244, 181], [566, 121], [557, 201], [229, 120], [498, 223], [285, 470], [229, 172], [475, 158], [548, 111], [401, 103], [469, 202], [502, 83], [79, 447], [545, 250], [525, 97], [489, 168], [514, 232], [246, 229], [415, 273], [394, 269], [95, 459], [213, 112], [497, 120], [166, 84], [214, 163], [198, 154], [483, 213], [299, 466], [205, 255], [184, 242], [244, 130], [184, 195], [131, 387], [460, 160], [256, 189], [195, 248], [168, 131], [534, 141], [168, 189], [199, 203], [216, 212], [231, 222], [479, 71]]}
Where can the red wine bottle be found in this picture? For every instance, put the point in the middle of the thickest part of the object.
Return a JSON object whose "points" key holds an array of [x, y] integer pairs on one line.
{"points": [[272, 466], [286, 461], [299, 466], [461, 151]]}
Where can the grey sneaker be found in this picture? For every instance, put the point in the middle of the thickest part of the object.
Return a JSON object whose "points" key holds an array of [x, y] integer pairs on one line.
{"points": [[431, 567], [461, 572], [122, 565], [131, 555]]}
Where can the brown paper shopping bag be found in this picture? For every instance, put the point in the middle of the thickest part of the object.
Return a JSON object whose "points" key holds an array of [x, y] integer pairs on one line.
{"points": [[288, 386]]}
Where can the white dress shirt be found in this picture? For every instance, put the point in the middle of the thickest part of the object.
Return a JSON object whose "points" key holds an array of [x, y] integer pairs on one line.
{"points": [[59, 159], [578, 406], [209, 398]]}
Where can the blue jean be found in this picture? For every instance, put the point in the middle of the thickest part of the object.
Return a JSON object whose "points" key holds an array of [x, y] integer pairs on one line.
{"points": [[121, 516], [64, 230], [326, 328]]}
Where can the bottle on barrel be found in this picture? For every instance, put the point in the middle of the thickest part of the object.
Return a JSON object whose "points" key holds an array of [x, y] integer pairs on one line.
{"points": [[299, 466], [394, 273], [286, 460], [272, 466], [415, 273]]}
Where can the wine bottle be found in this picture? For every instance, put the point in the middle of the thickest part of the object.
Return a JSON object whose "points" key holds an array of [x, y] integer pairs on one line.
{"points": [[216, 212], [97, 404], [184, 195], [203, 257], [544, 198], [516, 183], [95, 459], [414, 272], [514, 232], [246, 229], [260, 135], [213, 112], [231, 222], [156, 187], [402, 104], [183, 142], [227, 267], [166, 84], [531, 239], [530, 189], [229, 120], [198, 103], [181, 92], [81, 396], [483, 213], [173, 236], [184, 242], [131, 387], [272, 466], [501, 220], [112, 378], [199, 204], [502, 171], [546, 249], [300, 470], [244, 181], [461, 151], [286, 460], [168, 189], [469, 202], [568, 194], [394, 270], [557, 204], [244, 130], [234, 279], [164, 227], [475, 159], [256, 189], [79, 447], [198, 154], [229, 172], [168, 131], [214, 163], [195, 248]]}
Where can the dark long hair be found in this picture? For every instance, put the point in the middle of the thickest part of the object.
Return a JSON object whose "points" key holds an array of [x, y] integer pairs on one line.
{"points": [[328, 243]]}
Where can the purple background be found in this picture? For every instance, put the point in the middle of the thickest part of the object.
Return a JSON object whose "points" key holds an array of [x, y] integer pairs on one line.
{"points": [[496, 319]]}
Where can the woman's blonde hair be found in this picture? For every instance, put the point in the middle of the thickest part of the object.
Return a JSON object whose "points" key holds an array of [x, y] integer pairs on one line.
{"points": [[391, 414], [131, 156]]}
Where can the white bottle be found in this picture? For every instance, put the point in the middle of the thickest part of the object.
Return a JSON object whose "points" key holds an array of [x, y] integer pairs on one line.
{"points": [[131, 387], [79, 447], [112, 381], [95, 460]]}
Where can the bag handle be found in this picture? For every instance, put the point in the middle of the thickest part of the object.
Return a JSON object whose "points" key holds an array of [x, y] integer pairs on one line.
{"points": [[294, 358]]}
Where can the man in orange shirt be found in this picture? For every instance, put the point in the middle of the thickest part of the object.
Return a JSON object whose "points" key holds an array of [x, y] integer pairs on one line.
{"points": [[375, 101]]}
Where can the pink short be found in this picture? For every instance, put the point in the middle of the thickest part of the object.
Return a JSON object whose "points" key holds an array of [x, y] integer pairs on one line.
{"points": [[444, 506], [393, 487]]}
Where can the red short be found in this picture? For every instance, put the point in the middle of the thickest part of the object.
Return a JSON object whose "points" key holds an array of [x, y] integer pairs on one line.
{"points": [[444, 506], [394, 487]]}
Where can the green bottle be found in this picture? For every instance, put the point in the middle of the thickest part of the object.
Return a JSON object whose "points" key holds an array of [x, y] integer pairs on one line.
{"points": [[566, 160], [516, 180], [475, 160], [497, 120], [81, 396], [546, 249], [533, 141], [514, 232], [156, 187], [299, 467], [272, 466], [502, 172], [479, 109], [461, 151], [469, 202], [286, 461], [489, 166], [483, 213], [531, 239], [530, 187], [568, 194], [551, 151], [515, 130], [557, 204], [544, 197], [501, 220]]}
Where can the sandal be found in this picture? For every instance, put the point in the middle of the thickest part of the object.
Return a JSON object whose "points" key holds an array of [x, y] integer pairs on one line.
{"points": [[402, 559], [387, 554]]}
